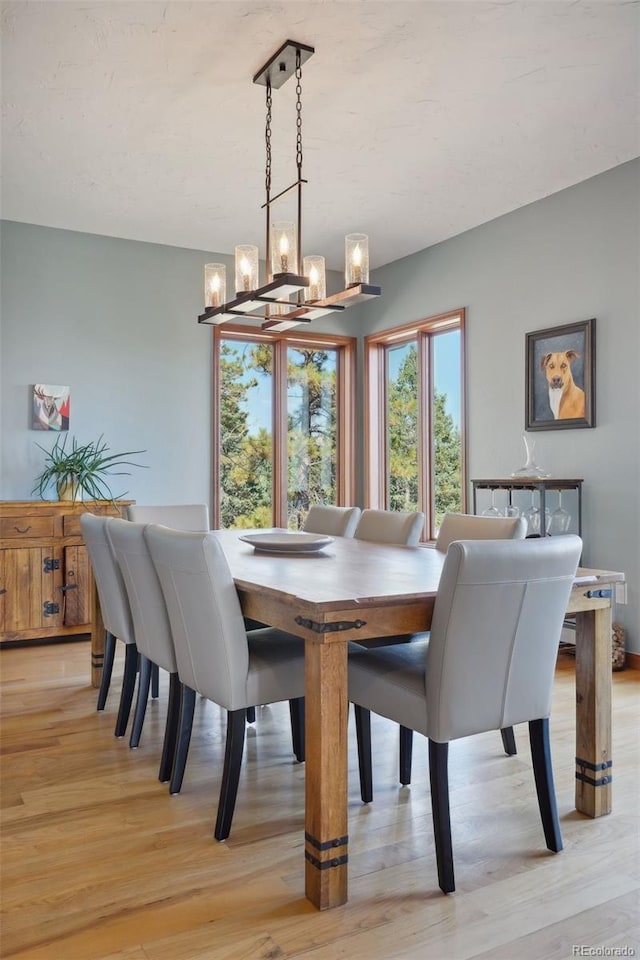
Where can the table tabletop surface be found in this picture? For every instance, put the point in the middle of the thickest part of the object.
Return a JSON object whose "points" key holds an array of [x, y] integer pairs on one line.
{"points": [[347, 572]]}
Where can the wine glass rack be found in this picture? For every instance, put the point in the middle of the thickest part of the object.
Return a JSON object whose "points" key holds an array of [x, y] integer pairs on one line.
{"points": [[549, 485]]}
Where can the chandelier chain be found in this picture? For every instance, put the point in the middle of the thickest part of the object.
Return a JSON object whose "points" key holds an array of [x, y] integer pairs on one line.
{"points": [[298, 113], [267, 137]]}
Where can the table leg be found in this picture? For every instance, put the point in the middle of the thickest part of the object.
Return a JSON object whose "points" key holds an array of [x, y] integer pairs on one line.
{"points": [[326, 713], [593, 712], [97, 639]]}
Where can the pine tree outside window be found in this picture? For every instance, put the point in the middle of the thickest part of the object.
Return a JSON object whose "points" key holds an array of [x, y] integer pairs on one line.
{"points": [[414, 458], [283, 426]]}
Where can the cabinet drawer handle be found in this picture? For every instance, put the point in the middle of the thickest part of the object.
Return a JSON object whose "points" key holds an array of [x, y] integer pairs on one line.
{"points": [[26, 529]]}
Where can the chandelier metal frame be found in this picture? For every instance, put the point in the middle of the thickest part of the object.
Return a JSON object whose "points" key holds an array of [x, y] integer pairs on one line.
{"points": [[272, 302]]}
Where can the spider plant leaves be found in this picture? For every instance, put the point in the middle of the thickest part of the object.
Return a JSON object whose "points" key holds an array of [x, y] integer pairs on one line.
{"points": [[83, 466]]}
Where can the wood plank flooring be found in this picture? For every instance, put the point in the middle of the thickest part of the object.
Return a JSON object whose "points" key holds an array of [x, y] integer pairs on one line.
{"points": [[99, 863]]}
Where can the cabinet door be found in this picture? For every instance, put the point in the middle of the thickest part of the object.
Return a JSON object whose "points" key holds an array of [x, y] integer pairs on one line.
{"points": [[76, 587], [3, 593], [33, 581]]}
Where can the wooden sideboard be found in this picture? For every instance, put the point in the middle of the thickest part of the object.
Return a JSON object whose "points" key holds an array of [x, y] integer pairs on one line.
{"points": [[46, 584]]}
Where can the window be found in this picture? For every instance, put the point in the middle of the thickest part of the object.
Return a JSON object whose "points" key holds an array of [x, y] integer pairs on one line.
{"points": [[283, 425], [414, 456]]}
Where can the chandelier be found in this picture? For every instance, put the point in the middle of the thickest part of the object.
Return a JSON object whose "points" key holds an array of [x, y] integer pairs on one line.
{"points": [[294, 290]]}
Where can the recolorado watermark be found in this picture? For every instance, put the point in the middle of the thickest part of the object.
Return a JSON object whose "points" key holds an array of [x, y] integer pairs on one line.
{"points": [[580, 950]]}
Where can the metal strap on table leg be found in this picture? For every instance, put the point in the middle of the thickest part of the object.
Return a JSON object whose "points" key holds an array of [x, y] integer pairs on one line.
{"points": [[334, 627], [326, 845], [596, 767]]}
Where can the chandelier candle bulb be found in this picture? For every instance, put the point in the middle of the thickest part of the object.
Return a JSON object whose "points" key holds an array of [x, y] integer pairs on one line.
{"points": [[246, 268], [356, 259], [215, 284], [284, 248], [314, 269]]}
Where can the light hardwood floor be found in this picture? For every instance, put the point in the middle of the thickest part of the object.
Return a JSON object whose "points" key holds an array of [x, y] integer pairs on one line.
{"points": [[99, 863]]}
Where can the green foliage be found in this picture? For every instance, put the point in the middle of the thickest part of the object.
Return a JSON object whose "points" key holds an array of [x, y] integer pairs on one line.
{"points": [[448, 461], [402, 439], [246, 464], [83, 467], [246, 468]]}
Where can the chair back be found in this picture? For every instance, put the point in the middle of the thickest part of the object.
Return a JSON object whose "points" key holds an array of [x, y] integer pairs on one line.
{"points": [[335, 521], [204, 612], [114, 602], [180, 516], [148, 610], [390, 526], [465, 526], [495, 633]]}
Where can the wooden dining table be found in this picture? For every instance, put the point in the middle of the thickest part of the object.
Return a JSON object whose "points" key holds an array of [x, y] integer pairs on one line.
{"points": [[356, 590]]}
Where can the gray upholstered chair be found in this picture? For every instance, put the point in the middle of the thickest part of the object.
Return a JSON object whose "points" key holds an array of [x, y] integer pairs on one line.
{"points": [[390, 526], [152, 631], [180, 516], [116, 615], [455, 526], [466, 526], [215, 656], [489, 664], [334, 521]]}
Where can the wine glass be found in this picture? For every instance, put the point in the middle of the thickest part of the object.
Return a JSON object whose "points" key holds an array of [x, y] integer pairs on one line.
{"points": [[532, 516], [492, 511], [559, 520], [511, 510]]}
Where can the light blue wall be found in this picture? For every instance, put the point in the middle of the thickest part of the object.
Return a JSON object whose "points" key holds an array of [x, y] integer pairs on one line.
{"points": [[566, 258], [115, 320]]}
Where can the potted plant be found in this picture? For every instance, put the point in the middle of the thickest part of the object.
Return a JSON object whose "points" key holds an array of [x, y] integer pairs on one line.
{"points": [[81, 469]]}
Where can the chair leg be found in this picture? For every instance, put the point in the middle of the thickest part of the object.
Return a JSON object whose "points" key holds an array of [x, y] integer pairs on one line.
{"points": [[439, 779], [236, 722], [543, 773], [509, 741], [107, 668], [406, 752], [146, 669], [296, 710], [128, 686], [251, 714], [171, 728], [363, 736], [155, 681], [183, 739]]}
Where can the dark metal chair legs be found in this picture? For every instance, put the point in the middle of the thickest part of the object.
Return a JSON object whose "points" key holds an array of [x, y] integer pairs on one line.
{"points": [[543, 773], [144, 680], [155, 681], [296, 710], [236, 722], [251, 714], [363, 735], [128, 687], [107, 668], [406, 752], [439, 779], [509, 741], [171, 728], [183, 739]]}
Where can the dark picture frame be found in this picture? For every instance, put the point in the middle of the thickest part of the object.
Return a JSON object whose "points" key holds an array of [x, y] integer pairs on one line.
{"points": [[560, 384]]}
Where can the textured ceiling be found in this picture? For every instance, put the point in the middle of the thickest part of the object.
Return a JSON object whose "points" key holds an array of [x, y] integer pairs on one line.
{"points": [[421, 119]]}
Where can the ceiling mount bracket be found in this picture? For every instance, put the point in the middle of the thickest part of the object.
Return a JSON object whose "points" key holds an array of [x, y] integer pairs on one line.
{"points": [[282, 65]]}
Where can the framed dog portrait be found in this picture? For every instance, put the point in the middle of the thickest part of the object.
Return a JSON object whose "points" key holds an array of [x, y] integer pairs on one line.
{"points": [[561, 366]]}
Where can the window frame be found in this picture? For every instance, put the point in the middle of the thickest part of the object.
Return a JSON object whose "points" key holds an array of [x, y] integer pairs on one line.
{"points": [[375, 404], [345, 410]]}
